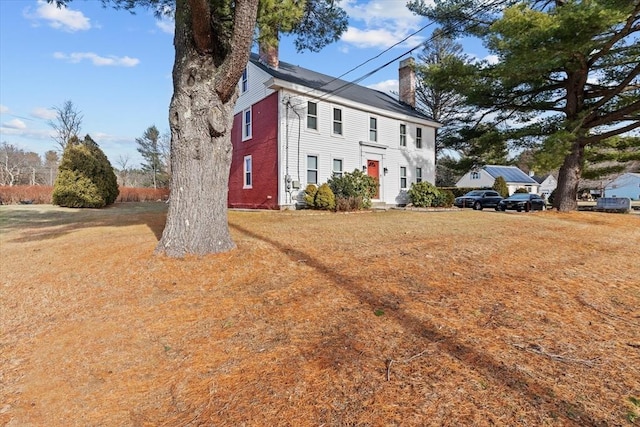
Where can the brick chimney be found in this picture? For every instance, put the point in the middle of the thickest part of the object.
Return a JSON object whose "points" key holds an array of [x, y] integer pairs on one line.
{"points": [[407, 82], [269, 56]]}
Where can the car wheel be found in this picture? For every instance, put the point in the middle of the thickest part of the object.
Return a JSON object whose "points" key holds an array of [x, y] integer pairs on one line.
{"points": [[477, 206], [518, 209], [503, 208]]}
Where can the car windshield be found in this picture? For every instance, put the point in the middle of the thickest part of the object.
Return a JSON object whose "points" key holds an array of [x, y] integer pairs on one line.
{"points": [[475, 193], [520, 196]]}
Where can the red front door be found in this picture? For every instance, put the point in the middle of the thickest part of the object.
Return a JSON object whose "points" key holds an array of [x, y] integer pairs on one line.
{"points": [[373, 170]]}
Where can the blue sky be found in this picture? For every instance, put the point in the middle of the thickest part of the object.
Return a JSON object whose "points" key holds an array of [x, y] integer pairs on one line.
{"points": [[116, 67]]}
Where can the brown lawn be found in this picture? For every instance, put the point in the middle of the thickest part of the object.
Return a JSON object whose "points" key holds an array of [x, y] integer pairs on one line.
{"points": [[391, 318]]}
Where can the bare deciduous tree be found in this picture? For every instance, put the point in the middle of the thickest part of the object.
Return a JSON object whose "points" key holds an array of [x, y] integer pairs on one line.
{"points": [[66, 124]]}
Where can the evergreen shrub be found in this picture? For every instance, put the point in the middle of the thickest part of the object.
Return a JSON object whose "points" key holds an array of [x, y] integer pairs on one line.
{"points": [[310, 195], [423, 194], [500, 185], [522, 190], [445, 199], [85, 177], [356, 187], [325, 199]]}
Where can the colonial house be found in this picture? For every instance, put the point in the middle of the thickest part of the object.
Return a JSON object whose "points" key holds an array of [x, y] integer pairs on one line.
{"points": [[294, 127], [626, 185], [485, 176]]}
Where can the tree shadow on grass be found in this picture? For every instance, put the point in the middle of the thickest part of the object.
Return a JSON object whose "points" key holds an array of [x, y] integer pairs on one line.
{"points": [[43, 222], [532, 391]]}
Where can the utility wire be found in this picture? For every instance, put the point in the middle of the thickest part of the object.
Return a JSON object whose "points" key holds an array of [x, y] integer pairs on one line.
{"points": [[332, 92]]}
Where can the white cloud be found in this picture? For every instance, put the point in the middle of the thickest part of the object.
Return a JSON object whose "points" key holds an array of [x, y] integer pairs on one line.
{"points": [[97, 60], [4, 109], [15, 124], [166, 25], [492, 59], [380, 23], [43, 113], [386, 86], [381, 13], [62, 18]]}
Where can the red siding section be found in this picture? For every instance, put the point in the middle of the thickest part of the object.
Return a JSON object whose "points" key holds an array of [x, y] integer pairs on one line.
{"points": [[263, 149]]}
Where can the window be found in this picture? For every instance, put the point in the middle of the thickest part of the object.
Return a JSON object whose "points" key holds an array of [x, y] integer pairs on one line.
{"points": [[403, 135], [312, 169], [403, 177], [244, 83], [373, 129], [418, 137], [418, 175], [337, 121], [248, 171], [312, 115], [246, 124], [337, 167], [475, 175]]}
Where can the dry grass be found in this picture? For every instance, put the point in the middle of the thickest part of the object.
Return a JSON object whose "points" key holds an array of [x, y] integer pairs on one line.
{"points": [[370, 319]]}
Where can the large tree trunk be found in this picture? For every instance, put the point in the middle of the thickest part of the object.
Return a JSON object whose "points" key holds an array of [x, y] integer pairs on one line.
{"points": [[205, 75], [200, 162], [566, 196]]}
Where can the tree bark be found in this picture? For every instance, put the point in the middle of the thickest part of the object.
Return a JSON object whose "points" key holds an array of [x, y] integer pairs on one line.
{"points": [[566, 197], [200, 119]]}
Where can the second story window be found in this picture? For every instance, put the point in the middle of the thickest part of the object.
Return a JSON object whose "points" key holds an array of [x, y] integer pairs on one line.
{"points": [[418, 137], [337, 121], [312, 115], [403, 135], [475, 175], [403, 177], [246, 124], [312, 169], [244, 82], [373, 129]]}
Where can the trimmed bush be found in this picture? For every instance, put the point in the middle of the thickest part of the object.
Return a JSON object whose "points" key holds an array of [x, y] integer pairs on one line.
{"points": [[310, 195], [500, 185], [444, 200], [522, 190], [85, 177], [422, 194], [325, 199]]}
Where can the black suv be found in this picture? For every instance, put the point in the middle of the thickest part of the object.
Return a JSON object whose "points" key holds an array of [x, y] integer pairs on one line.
{"points": [[478, 199]]}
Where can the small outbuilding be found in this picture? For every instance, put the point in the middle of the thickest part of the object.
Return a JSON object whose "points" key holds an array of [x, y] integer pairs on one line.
{"points": [[626, 185]]}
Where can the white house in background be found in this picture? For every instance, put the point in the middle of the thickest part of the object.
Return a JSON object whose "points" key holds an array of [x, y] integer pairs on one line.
{"points": [[293, 127], [626, 185], [548, 183], [485, 176]]}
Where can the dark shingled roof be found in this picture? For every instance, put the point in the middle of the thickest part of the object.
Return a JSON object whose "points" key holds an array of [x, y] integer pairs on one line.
{"points": [[353, 92], [510, 174]]}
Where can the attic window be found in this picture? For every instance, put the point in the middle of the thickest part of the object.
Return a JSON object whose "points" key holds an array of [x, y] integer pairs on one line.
{"points": [[475, 175]]}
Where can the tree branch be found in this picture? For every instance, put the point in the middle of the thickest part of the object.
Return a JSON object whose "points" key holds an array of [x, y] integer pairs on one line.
{"points": [[244, 22], [201, 25]]}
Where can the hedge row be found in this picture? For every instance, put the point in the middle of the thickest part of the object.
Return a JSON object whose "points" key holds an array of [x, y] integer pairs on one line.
{"points": [[42, 194]]}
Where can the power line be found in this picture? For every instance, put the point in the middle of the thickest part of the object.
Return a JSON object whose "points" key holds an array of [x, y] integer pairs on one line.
{"points": [[330, 93]]}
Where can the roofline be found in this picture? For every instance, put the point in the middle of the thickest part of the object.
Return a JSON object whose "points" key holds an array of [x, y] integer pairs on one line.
{"points": [[278, 84]]}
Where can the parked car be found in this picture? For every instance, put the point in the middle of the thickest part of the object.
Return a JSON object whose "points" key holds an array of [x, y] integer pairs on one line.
{"points": [[478, 199], [522, 202]]}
